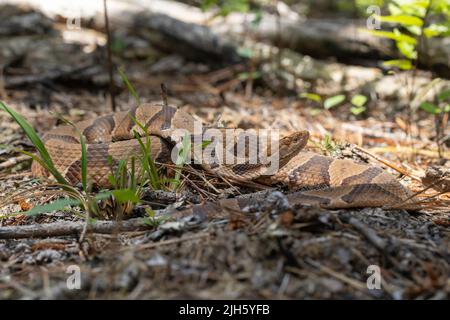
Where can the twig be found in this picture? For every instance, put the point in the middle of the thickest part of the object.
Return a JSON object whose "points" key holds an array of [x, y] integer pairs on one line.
{"points": [[408, 150], [385, 162], [368, 233], [13, 161], [67, 228], [340, 276], [110, 64]]}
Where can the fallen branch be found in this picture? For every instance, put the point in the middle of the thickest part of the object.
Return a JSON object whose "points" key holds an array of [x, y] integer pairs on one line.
{"points": [[67, 228]]}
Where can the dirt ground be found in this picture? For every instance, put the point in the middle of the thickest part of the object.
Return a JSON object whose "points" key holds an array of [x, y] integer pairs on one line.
{"points": [[277, 253]]}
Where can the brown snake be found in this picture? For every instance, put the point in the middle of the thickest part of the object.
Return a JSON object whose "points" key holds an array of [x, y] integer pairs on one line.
{"points": [[312, 178]]}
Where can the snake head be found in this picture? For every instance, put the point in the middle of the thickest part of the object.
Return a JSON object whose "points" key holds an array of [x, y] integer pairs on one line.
{"points": [[291, 145]]}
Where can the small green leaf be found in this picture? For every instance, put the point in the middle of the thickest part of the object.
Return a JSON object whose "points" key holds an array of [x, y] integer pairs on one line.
{"points": [[407, 49], [435, 29], [430, 108], [59, 204], [207, 4], [414, 30], [229, 6], [150, 212], [357, 110], [397, 36], [245, 52], [394, 9], [315, 111], [401, 19], [125, 195], [249, 75], [446, 108], [359, 100], [444, 95], [333, 101], [102, 195], [401, 64], [311, 96]]}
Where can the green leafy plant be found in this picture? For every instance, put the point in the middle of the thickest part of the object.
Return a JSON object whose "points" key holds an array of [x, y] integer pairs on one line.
{"points": [[328, 144], [225, 7], [126, 178], [126, 189], [414, 23], [76, 197], [152, 220], [249, 75], [412, 28], [358, 101]]}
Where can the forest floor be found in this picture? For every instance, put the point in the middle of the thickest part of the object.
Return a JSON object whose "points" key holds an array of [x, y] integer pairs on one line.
{"points": [[304, 252]]}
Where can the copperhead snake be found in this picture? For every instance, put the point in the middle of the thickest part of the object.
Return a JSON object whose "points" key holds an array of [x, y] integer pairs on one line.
{"points": [[311, 178]]}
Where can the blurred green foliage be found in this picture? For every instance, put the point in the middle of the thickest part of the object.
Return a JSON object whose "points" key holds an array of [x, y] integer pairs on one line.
{"points": [[225, 7]]}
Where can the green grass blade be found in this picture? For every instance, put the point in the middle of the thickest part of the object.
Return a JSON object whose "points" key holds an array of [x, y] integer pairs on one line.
{"points": [[83, 163], [146, 160], [84, 168], [103, 195], [59, 204], [181, 159], [148, 164], [129, 86]]}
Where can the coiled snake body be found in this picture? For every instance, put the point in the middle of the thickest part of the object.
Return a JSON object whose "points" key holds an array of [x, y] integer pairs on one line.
{"points": [[312, 178]]}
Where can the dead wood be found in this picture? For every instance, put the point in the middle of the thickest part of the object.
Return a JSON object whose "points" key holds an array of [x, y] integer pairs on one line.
{"points": [[186, 29], [22, 80], [68, 228]]}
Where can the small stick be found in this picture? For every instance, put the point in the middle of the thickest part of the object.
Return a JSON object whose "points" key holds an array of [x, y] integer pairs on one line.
{"points": [[385, 162], [13, 161], [67, 228], [340, 276]]}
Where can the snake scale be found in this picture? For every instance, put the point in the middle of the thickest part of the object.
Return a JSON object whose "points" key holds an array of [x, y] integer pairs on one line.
{"points": [[311, 178]]}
